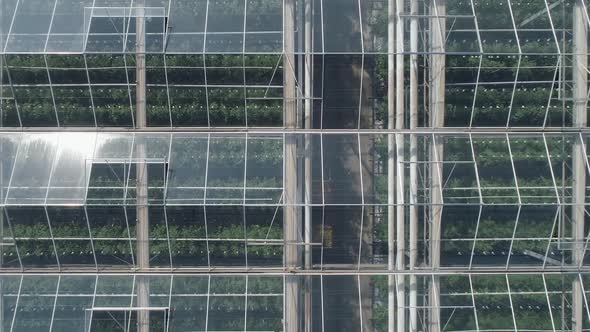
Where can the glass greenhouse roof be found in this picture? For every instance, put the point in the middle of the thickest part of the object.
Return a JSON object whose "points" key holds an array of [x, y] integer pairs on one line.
{"points": [[294, 165], [246, 169], [257, 26], [251, 303], [502, 199]]}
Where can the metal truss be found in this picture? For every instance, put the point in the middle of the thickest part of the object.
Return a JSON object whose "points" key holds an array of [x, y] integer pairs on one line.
{"points": [[282, 165]]}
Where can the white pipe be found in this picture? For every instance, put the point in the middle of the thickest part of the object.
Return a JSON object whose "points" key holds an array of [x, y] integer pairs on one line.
{"points": [[580, 120], [437, 114], [391, 163], [413, 165], [400, 165], [291, 224], [142, 228], [308, 107]]}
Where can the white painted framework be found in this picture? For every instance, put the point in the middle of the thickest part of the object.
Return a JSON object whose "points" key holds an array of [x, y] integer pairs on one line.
{"points": [[452, 219]]}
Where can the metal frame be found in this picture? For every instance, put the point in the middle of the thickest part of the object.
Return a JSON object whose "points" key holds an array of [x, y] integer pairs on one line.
{"points": [[419, 162]]}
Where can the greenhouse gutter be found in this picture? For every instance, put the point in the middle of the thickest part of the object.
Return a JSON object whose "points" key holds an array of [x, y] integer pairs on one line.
{"points": [[523, 270], [279, 131]]}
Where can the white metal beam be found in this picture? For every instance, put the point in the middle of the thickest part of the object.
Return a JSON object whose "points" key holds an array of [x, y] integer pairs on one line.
{"points": [[437, 39], [291, 223], [413, 207], [580, 119], [391, 94]]}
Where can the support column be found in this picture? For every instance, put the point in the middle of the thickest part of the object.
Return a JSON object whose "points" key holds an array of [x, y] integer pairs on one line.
{"points": [[580, 120], [1, 171], [142, 227], [437, 38], [391, 162], [291, 222], [413, 248], [308, 107], [400, 166]]}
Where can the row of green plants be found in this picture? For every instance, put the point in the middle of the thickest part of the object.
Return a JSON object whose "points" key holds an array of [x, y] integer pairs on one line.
{"points": [[188, 301], [111, 107], [492, 303], [189, 104], [186, 237]]}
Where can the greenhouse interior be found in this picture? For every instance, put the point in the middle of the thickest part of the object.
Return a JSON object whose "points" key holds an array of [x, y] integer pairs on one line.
{"points": [[294, 165]]}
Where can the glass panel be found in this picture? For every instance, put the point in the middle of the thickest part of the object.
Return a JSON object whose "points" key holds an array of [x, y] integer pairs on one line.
{"points": [[559, 295], [188, 236], [31, 90], [158, 107], [74, 106], [9, 252], [225, 26], [9, 144], [227, 231], [340, 233], [225, 172], [188, 97], [114, 291], [533, 95], [69, 177], [158, 244], [535, 180], [538, 34], [110, 231], [493, 303], [108, 182], [342, 179], [226, 106], [496, 84], [339, 26], [107, 33], [9, 285], [264, 107], [496, 27], [461, 79], [458, 171], [264, 309], [494, 235], [159, 292], [457, 310], [496, 175], [340, 302], [264, 25], [74, 298], [36, 304], [536, 227], [113, 96], [70, 230], [458, 229], [264, 233], [264, 170], [155, 173], [157, 146], [32, 169], [68, 26], [110, 169], [189, 300], [188, 19], [7, 11], [226, 312], [33, 237], [530, 303], [342, 94], [187, 170], [30, 26], [9, 116]]}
